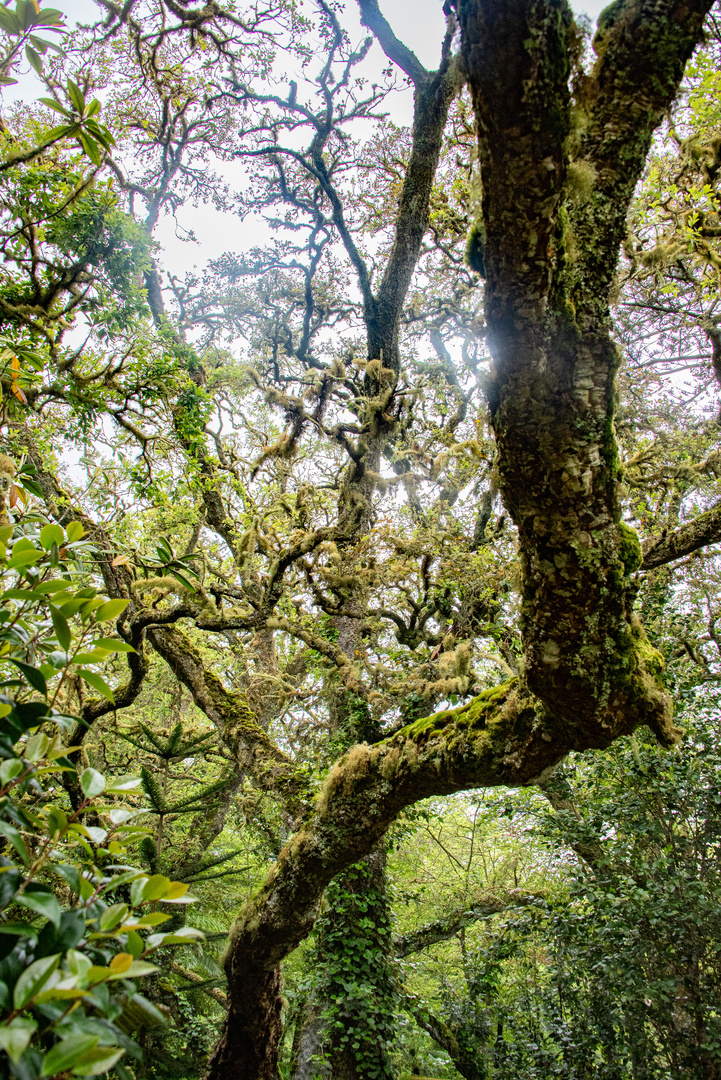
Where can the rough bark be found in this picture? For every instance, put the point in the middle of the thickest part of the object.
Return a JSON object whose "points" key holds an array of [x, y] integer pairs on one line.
{"points": [[308, 1062], [240, 1053]]}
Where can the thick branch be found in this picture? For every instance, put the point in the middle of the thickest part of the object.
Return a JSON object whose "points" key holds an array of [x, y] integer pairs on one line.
{"points": [[689, 537], [394, 49], [448, 927], [642, 48], [433, 97], [252, 747]]}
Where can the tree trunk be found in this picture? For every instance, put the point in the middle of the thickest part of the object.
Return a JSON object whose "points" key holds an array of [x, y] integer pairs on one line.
{"points": [[255, 1006], [309, 1062], [354, 943]]}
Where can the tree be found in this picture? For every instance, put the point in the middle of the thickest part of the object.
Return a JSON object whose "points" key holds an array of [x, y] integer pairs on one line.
{"points": [[590, 674], [301, 580]]}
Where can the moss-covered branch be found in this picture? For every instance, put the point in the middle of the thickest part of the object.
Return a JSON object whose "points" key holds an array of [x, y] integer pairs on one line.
{"points": [[693, 535], [252, 748], [447, 927]]}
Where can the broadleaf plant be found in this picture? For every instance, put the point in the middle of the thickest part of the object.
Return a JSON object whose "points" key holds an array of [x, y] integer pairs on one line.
{"points": [[78, 922]]}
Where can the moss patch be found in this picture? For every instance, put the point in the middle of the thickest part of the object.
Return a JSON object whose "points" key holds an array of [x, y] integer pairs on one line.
{"points": [[629, 548], [473, 715]]}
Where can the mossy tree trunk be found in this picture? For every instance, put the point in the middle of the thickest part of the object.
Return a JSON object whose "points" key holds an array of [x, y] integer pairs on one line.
{"points": [[551, 245], [354, 949]]}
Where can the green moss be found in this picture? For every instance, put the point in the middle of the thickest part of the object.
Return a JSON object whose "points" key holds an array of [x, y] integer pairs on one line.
{"points": [[629, 548], [604, 23], [476, 248], [472, 715], [647, 657]]}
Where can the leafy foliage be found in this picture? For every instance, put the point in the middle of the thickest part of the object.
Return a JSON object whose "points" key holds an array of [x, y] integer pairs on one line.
{"points": [[73, 919]]}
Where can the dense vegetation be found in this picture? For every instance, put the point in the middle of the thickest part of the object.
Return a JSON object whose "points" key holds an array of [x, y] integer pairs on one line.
{"points": [[358, 634]]}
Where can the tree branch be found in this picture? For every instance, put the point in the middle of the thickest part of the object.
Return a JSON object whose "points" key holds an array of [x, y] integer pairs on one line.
{"points": [[394, 49], [689, 537], [252, 747], [448, 927]]}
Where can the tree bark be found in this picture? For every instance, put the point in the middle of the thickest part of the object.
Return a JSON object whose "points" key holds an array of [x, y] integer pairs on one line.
{"points": [[255, 997]]}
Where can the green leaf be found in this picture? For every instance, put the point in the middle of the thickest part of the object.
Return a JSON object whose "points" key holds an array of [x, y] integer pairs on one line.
{"points": [[34, 59], [110, 610], [12, 835], [11, 767], [66, 1054], [51, 534], [25, 557], [90, 147], [78, 963], [49, 17], [156, 887], [92, 782], [113, 916], [26, 11], [112, 645], [123, 783], [183, 580], [57, 820], [134, 944], [74, 531], [46, 587], [136, 890], [97, 683], [61, 628], [36, 746], [33, 979], [98, 1061], [137, 970], [93, 657], [9, 22], [76, 96], [31, 485], [15, 1036], [101, 134], [60, 132], [33, 676], [181, 937], [44, 903]]}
